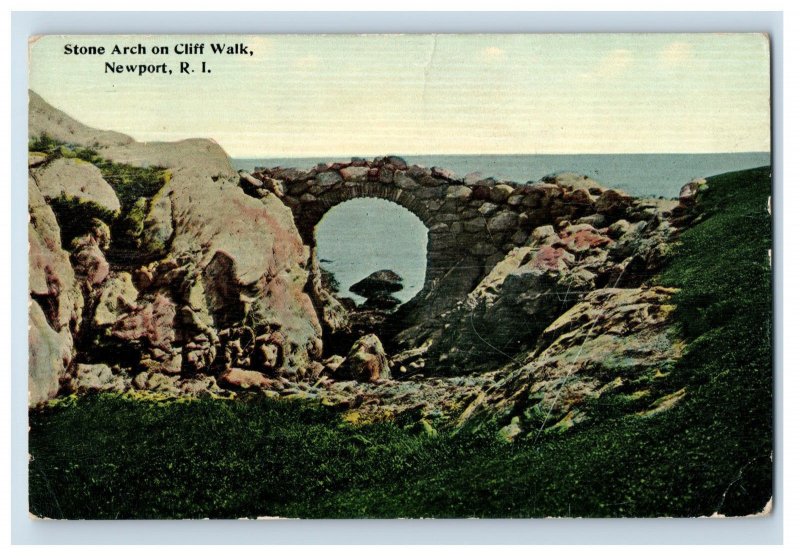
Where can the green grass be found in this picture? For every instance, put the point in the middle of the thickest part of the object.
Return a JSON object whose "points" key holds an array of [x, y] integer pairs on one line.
{"points": [[115, 457]]}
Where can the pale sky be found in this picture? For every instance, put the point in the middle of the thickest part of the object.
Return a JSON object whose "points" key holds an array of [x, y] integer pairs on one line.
{"points": [[343, 95]]}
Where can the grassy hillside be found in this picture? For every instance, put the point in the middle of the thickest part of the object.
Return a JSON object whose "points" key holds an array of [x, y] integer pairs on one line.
{"points": [[116, 457]]}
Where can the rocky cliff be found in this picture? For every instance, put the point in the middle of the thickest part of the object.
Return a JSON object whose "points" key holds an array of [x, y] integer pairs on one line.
{"points": [[214, 274], [157, 267]]}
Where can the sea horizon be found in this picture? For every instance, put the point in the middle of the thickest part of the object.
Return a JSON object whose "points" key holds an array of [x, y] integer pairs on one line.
{"points": [[639, 174]]}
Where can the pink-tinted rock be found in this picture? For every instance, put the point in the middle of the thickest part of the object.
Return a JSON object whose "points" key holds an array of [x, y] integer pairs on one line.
{"points": [[244, 379], [583, 239], [55, 302], [366, 362], [90, 262], [49, 354], [551, 258], [227, 258], [51, 278], [151, 324]]}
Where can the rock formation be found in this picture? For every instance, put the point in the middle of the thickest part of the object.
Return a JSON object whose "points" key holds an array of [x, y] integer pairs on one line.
{"points": [[233, 267], [378, 288], [366, 362], [55, 301], [537, 301]]}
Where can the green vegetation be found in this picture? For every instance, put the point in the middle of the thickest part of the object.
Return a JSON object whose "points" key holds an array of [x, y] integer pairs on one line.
{"points": [[116, 457], [75, 217], [43, 144], [132, 183], [135, 187]]}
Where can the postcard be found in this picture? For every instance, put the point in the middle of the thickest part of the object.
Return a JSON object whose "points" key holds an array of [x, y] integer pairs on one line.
{"points": [[400, 276]]}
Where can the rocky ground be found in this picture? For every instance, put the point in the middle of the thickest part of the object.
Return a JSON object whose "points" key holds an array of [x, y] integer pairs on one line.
{"points": [[201, 283]]}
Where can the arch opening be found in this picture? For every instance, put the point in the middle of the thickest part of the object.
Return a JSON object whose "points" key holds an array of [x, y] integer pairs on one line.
{"points": [[362, 236]]}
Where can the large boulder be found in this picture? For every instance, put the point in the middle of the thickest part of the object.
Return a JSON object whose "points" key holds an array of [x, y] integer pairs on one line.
{"points": [[378, 283], [378, 288], [504, 313], [76, 178], [250, 259], [366, 361], [49, 355], [51, 278]]}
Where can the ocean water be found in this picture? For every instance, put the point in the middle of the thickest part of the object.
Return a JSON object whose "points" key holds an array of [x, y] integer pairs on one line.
{"points": [[361, 236], [644, 175]]}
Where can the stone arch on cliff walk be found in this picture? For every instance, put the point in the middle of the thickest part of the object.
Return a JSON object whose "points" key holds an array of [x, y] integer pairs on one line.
{"points": [[472, 224], [449, 246]]}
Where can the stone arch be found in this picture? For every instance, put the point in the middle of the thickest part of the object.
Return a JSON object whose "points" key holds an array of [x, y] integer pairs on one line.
{"points": [[471, 224], [447, 247], [314, 209]]}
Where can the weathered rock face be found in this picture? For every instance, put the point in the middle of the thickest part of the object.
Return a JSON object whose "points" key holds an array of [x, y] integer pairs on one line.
{"points": [[96, 378], [117, 298], [49, 354], [534, 284], [225, 259], [237, 259], [249, 260], [149, 327], [615, 343], [55, 301], [334, 316], [51, 278], [90, 262]]}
